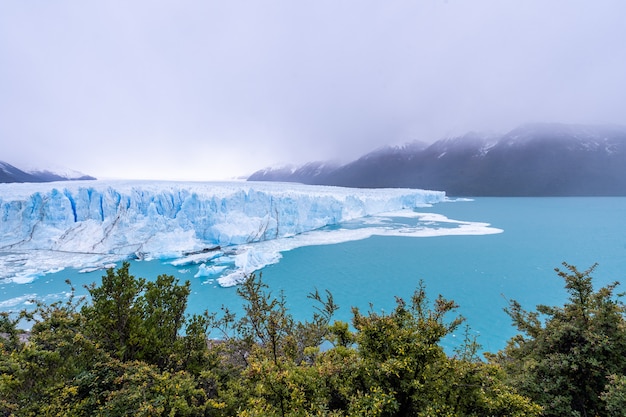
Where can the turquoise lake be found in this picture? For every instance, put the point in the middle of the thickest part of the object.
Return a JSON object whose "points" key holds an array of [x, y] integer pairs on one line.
{"points": [[479, 272]]}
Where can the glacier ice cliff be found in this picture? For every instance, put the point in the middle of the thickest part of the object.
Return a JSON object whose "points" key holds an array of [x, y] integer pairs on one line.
{"points": [[50, 226]]}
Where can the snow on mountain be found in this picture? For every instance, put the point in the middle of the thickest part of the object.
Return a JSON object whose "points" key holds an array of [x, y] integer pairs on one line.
{"points": [[540, 159], [292, 173], [9, 173], [12, 174], [57, 173], [50, 226], [407, 148]]}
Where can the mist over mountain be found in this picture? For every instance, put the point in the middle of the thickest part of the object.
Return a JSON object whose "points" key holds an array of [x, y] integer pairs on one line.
{"points": [[10, 174], [532, 160]]}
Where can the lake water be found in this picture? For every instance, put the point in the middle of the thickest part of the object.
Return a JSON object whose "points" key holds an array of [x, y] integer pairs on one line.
{"points": [[479, 272]]}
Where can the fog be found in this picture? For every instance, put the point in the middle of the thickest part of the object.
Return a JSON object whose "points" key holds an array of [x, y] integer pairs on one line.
{"points": [[207, 90]]}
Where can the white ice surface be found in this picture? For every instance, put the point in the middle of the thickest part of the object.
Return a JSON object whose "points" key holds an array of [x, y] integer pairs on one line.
{"points": [[261, 254], [89, 224]]}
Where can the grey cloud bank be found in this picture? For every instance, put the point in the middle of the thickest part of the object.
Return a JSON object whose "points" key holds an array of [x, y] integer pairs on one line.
{"points": [[210, 90]]}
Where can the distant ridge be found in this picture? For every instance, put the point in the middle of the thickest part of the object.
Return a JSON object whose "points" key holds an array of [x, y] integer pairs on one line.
{"points": [[12, 174], [542, 159]]}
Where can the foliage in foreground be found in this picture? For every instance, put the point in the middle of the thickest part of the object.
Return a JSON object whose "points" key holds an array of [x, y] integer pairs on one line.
{"points": [[132, 351], [571, 359]]}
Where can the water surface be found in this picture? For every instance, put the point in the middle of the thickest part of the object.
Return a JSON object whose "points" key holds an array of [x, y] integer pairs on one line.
{"points": [[479, 272]]}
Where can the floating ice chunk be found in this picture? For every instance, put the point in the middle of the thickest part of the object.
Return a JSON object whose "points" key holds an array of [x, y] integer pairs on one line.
{"points": [[97, 268], [210, 270], [248, 260], [258, 255], [16, 301]]}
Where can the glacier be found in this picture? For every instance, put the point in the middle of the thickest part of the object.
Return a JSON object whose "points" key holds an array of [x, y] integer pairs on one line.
{"points": [[229, 228]]}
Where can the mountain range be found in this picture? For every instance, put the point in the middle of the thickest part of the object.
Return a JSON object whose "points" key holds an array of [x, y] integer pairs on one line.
{"points": [[10, 173], [532, 160]]}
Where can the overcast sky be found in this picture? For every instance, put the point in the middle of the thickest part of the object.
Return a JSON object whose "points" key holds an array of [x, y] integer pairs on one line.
{"points": [[202, 89]]}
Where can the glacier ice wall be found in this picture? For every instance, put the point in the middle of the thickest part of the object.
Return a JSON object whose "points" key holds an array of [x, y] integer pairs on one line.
{"points": [[55, 225]]}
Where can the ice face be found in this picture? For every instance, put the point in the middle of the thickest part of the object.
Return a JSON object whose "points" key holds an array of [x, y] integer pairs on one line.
{"points": [[50, 226]]}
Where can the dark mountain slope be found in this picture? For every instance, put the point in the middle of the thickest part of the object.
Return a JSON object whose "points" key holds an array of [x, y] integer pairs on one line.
{"points": [[11, 174], [532, 160]]}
